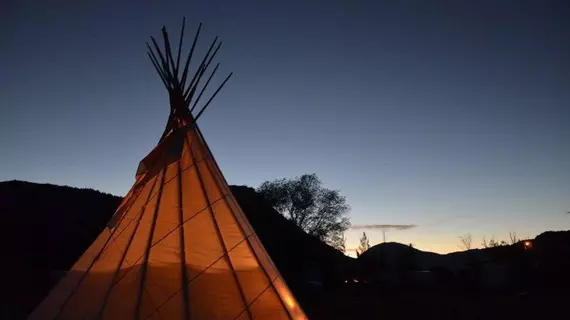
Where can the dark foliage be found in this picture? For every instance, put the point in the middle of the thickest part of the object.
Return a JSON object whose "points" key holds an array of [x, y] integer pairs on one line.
{"points": [[319, 211]]}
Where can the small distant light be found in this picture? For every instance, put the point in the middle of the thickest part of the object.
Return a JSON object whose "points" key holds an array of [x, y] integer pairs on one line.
{"points": [[527, 244]]}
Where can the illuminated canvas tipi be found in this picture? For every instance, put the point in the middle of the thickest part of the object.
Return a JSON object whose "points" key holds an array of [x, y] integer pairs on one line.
{"points": [[179, 246]]}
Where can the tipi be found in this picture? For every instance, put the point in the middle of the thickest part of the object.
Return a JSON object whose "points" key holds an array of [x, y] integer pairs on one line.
{"points": [[178, 246]]}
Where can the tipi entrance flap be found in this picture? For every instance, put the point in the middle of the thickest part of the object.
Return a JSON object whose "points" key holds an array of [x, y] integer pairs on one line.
{"points": [[168, 151]]}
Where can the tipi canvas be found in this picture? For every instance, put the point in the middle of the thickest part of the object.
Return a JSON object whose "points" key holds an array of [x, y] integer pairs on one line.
{"points": [[179, 246]]}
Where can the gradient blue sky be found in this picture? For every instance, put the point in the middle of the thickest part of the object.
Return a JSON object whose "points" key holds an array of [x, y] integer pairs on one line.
{"points": [[452, 115]]}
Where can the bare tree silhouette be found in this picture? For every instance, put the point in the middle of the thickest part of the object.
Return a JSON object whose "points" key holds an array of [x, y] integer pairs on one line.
{"points": [[465, 241], [513, 238], [364, 244]]}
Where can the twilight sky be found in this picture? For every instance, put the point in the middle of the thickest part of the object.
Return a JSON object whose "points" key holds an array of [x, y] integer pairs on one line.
{"points": [[451, 115]]}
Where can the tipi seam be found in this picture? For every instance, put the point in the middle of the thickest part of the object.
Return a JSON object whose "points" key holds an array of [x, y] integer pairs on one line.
{"points": [[111, 232], [258, 296], [200, 273], [166, 235], [208, 152], [217, 227], [184, 274], [148, 248], [114, 281]]}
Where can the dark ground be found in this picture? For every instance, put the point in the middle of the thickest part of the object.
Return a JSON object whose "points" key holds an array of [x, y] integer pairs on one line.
{"points": [[436, 304]]}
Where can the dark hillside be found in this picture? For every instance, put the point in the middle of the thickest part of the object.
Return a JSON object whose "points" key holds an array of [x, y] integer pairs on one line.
{"points": [[46, 227]]}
